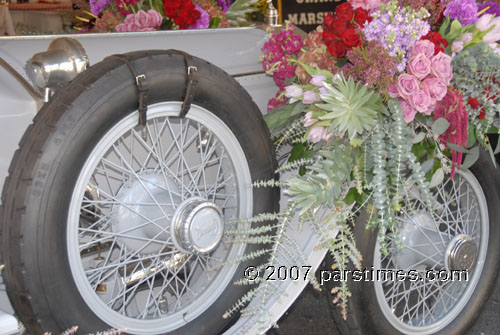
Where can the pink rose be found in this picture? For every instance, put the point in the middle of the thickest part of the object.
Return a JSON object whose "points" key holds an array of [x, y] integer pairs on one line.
{"points": [[393, 90], [408, 111], [419, 66], [121, 28], [132, 27], [421, 102], [435, 88], [316, 134], [141, 19], [310, 97], [425, 47], [130, 18], [155, 18], [407, 85], [441, 67], [308, 121]]}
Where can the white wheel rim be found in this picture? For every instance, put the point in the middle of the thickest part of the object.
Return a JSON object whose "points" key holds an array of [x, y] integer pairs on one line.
{"points": [[154, 312], [427, 306]]}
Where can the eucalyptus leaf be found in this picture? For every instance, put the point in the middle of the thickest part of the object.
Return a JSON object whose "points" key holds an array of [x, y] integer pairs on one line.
{"points": [[458, 148], [471, 158], [437, 178], [427, 165], [440, 126], [418, 138]]}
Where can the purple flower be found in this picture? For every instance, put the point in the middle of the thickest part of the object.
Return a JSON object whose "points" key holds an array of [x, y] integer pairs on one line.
{"points": [[494, 8], [317, 80], [224, 4], [97, 6], [310, 97], [204, 20], [316, 134], [308, 120], [464, 11]]}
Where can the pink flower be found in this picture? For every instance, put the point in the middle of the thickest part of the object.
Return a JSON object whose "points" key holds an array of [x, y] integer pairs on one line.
{"points": [[317, 80], [141, 19], [467, 37], [421, 102], [293, 92], [308, 121], [407, 85], [393, 90], [425, 47], [323, 90], [457, 46], [155, 18], [435, 88], [419, 66], [441, 67], [408, 111], [310, 97], [316, 134], [366, 4]]}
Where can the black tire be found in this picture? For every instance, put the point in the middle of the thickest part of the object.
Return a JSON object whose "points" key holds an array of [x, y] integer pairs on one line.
{"points": [[364, 311], [45, 168]]}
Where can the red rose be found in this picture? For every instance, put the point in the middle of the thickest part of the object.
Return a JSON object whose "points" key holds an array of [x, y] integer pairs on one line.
{"points": [[337, 48], [444, 42], [362, 16], [341, 25], [350, 38], [473, 103], [344, 10], [435, 38], [329, 19], [329, 35], [438, 49]]}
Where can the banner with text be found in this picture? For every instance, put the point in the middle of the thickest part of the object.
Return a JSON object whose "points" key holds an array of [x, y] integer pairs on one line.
{"points": [[306, 14]]}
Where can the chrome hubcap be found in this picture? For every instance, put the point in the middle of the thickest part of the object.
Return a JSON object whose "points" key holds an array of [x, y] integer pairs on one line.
{"points": [[461, 253], [197, 226]]}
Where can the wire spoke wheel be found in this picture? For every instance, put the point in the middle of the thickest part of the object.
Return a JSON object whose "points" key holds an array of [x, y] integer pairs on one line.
{"points": [[441, 252], [145, 235]]}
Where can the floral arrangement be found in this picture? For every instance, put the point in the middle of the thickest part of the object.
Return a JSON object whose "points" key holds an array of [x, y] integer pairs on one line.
{"points": [[384, 96], [151, 15]]}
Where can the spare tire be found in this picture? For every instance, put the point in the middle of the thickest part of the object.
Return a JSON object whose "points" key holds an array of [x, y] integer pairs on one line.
{"points": [[106, 228]]}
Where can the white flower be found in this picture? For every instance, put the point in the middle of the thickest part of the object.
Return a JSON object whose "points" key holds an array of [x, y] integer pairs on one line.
{"points": [[484, 22]]}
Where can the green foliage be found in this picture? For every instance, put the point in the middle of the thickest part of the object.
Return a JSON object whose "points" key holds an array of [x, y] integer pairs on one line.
{"points": [[237, 14], [351, 107], [281, 116]]}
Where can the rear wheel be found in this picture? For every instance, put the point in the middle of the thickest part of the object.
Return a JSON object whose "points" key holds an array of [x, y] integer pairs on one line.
{"points": [[108, 224], [448, 261]]}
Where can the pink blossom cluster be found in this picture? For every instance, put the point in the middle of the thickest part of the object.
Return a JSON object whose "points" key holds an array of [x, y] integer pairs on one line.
{"points": [[141, 21], [277, 53], [426, 81], [366, 4]]}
